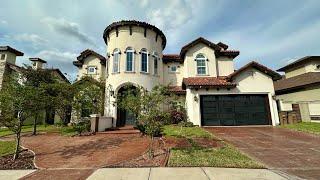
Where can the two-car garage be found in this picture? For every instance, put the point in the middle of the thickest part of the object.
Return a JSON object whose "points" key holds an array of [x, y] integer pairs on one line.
{"points": [[235, 110]]}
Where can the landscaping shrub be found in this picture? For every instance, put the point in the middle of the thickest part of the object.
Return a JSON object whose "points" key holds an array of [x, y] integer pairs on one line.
{"points": [[82, 126], [186, 124], [177, 116]]}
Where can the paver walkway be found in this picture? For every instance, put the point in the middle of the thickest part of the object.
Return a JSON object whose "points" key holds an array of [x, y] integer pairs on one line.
{"points": [[293, 152]]}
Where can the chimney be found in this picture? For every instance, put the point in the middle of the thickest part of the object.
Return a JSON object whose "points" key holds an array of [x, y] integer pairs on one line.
{"points": [[37, 63]]}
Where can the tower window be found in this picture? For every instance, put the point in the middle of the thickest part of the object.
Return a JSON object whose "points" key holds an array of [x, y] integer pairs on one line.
{"points": [[116, 60], [130, 59], [144, 60]]}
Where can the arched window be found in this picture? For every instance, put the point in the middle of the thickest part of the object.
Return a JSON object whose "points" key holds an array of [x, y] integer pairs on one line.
{"points": [[116, 61], [201, 64], [130, 59], [144, 60], [155, 63]]}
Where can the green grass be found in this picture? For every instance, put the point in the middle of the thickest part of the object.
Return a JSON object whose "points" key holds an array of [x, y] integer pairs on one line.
{"points": [[226, 156], [309, 127], [186, 132], [66, 131], [7, 147]]}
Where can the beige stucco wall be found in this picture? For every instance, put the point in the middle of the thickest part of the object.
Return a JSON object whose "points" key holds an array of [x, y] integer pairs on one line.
{"points": [[303, 98], [190, 64], [308, 67], [11, 58], [258, 83], [92, 61], [138, 78], [171, 78], [225, 66]]}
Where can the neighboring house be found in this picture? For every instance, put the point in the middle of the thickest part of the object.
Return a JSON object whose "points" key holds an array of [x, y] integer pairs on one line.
{"points": [[203, 73], [91, 64], [300, 87], [8, 65]]}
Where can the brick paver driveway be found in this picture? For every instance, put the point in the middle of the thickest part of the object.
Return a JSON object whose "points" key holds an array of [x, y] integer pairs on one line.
{"points": [[56, 151], [281, 149]]}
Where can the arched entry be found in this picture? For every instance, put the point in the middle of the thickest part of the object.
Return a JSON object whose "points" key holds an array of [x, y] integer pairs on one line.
{"points": [[125, 117]]}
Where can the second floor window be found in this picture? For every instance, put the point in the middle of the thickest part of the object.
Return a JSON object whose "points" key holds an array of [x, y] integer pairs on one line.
{"points": [[130, 59], [92, 70], [201, 64], [144, 61], [116, 61], [155, 63], [173, 69]]}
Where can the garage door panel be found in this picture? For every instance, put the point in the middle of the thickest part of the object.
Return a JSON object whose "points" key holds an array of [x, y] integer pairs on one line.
{"points": [[227, 110]]}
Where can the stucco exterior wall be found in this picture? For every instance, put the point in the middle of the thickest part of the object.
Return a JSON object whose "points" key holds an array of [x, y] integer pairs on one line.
{"points": [[304, 98], [137, 41], [225, 66], [247, 83], [92, 61], [9, 57], [190, 65], [171, 78], [308, 67]]}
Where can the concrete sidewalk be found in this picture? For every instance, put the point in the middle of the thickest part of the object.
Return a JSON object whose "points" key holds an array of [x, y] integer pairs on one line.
{"points": [[205, 173]]}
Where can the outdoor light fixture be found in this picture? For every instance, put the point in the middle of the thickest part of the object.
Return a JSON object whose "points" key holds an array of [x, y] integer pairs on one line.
{"points": [[110, 89], [195, 98]]}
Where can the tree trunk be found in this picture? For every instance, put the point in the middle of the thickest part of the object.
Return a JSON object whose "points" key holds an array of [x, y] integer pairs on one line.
{"points": [[151, 155], [35, 125], [18, 133]]}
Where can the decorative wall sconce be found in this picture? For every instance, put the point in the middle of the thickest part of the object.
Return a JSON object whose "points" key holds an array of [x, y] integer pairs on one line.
{"points": [[195, 98]]}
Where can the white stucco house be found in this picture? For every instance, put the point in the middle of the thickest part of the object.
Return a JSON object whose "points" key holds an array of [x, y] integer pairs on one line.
{"points": [[202, 72]]}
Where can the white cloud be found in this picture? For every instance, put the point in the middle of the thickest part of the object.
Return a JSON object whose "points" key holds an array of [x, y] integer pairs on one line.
{"points": [[144, 3], [33, 38], [68, 28], [55, 55], [174, 14], [4, 22]]}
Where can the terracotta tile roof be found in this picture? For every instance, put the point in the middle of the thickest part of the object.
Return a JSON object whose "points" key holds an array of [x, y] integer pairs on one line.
{"points": [[297, 82], [128, 23], [10, 49], [177, 90], [299, 62], [84, 54], [260, 67], [172, 58], [220, 48], [207, 82]]}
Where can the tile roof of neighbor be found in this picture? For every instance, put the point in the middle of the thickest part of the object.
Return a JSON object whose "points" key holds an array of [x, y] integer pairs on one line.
{"points": [[37, 59], [10, 49], [299, 62], [115, 25], [297, 82], [260, 67], [177, 90], [198, 82]]}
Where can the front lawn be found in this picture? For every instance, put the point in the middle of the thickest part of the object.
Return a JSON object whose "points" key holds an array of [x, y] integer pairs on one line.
{"points": [[185, 132], [29, 128], [309, 127], [7, 147], [223, 155], [226, 156]]}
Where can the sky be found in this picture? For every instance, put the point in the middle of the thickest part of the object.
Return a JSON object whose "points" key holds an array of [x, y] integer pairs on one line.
{"points": [[272, 32]]}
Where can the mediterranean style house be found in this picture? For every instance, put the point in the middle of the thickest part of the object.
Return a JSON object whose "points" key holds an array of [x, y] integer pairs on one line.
{"points": [[299, 90], [8, 65], [202, 72]]}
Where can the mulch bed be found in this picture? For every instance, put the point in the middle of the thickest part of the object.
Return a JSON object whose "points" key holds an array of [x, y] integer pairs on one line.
{"points": [[162, 148], [160, 158], [25, 161]]}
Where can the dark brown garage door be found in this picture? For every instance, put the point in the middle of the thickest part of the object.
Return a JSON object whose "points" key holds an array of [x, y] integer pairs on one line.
{"points": [[234, 110]]}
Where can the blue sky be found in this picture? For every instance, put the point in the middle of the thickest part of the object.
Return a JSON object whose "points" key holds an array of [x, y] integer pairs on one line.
{"points": [[271, 32]]}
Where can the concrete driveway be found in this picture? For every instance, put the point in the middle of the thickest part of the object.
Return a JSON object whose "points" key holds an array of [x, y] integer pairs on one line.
{"points": [[281, 149]]}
